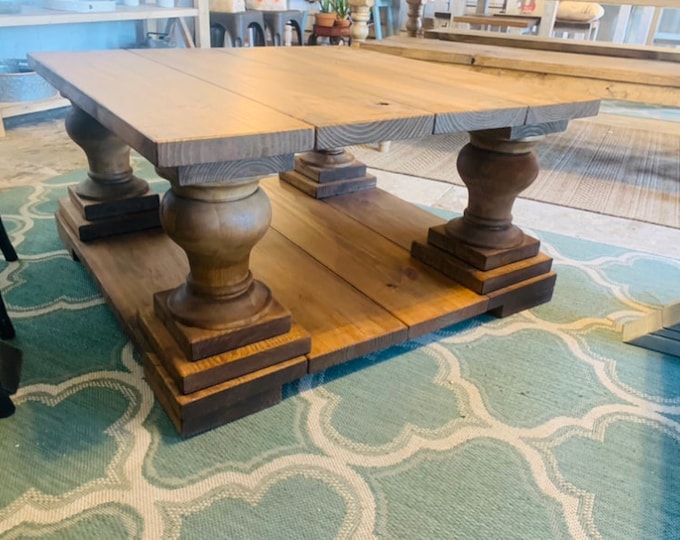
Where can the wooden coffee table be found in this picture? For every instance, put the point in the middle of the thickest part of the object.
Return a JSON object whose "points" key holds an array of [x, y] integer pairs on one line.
{"points": [[257, 279]]}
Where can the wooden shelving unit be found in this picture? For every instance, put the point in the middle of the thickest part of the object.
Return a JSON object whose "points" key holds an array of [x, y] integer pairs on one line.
{"points": [[36, 16]]}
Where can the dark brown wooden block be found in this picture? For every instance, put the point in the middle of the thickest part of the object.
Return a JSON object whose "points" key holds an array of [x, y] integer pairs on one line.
{"points": [[94, 230], [191, 376], [481, 281], [197, 343], [523, 295], [482, 258], [354, 169], [203, 410], [328, 189], [99, 210]]}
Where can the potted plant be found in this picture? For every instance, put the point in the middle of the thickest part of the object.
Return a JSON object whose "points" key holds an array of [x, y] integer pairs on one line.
{"points": [[342, 11], [326, 15]]}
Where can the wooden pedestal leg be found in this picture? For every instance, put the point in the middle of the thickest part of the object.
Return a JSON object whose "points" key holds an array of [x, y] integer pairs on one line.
{"points": [[325, 173], [111, 199], [483, 249], [221, 345]]}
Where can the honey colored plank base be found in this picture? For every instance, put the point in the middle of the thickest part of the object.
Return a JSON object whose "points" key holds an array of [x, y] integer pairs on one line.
{"points": [[341, 267]]}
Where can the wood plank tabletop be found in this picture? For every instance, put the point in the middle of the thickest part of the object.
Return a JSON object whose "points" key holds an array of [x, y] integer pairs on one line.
{"points": [[187, 106], [457, 99], [169, 117]]}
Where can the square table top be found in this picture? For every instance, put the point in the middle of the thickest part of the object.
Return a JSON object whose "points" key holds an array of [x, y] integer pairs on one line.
{"points": [[190, 106]]}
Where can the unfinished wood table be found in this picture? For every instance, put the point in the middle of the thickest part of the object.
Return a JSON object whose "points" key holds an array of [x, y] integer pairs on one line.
{"points": [[252, 284]]}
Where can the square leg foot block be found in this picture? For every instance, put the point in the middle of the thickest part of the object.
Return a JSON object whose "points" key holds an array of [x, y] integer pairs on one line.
{"points": [[482, 258], [191, 376], [223, 403], [88, 231], [98, 210], [480, 281], [525, 295], [197, 343], [331, 189], [356, 169]]}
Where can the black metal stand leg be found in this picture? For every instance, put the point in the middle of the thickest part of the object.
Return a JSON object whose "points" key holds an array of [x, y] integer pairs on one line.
{"points": [[6, 244], [6, 326], [11, 360]]}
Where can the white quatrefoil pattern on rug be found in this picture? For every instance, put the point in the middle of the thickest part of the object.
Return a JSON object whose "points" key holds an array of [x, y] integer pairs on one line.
{"points": [[541, 425]]}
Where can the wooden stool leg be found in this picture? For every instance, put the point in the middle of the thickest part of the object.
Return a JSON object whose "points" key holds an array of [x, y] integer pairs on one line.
{"points": [[6, 244], [325, 173], [111, 199], [483, 249], [377, 23]]}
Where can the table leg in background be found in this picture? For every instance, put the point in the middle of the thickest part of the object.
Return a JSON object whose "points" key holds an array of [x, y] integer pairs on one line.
{"points": [[111, 199], [329, 172]]}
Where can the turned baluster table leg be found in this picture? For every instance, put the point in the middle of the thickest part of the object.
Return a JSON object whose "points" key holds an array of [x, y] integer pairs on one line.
{"points": [[495, 172], [483, 249], [111, 199], [220, 306], [328, 172], [217, 226], [110, 175], [219, 345]]}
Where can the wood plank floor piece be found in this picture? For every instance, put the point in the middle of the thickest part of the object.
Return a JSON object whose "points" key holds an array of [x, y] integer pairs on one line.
{"points": [[400, 221], [344, 323], [360, 292], [419, 296]]}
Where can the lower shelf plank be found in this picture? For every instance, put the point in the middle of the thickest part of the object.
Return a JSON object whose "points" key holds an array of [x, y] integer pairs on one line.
{"points": [[344, 272]]}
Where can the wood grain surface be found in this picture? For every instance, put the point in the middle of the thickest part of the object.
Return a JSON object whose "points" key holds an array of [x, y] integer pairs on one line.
{"points": [[190, 106]]}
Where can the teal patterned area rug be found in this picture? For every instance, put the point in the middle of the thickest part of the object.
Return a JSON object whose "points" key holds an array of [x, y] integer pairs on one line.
{"points": [[542, 425]]}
